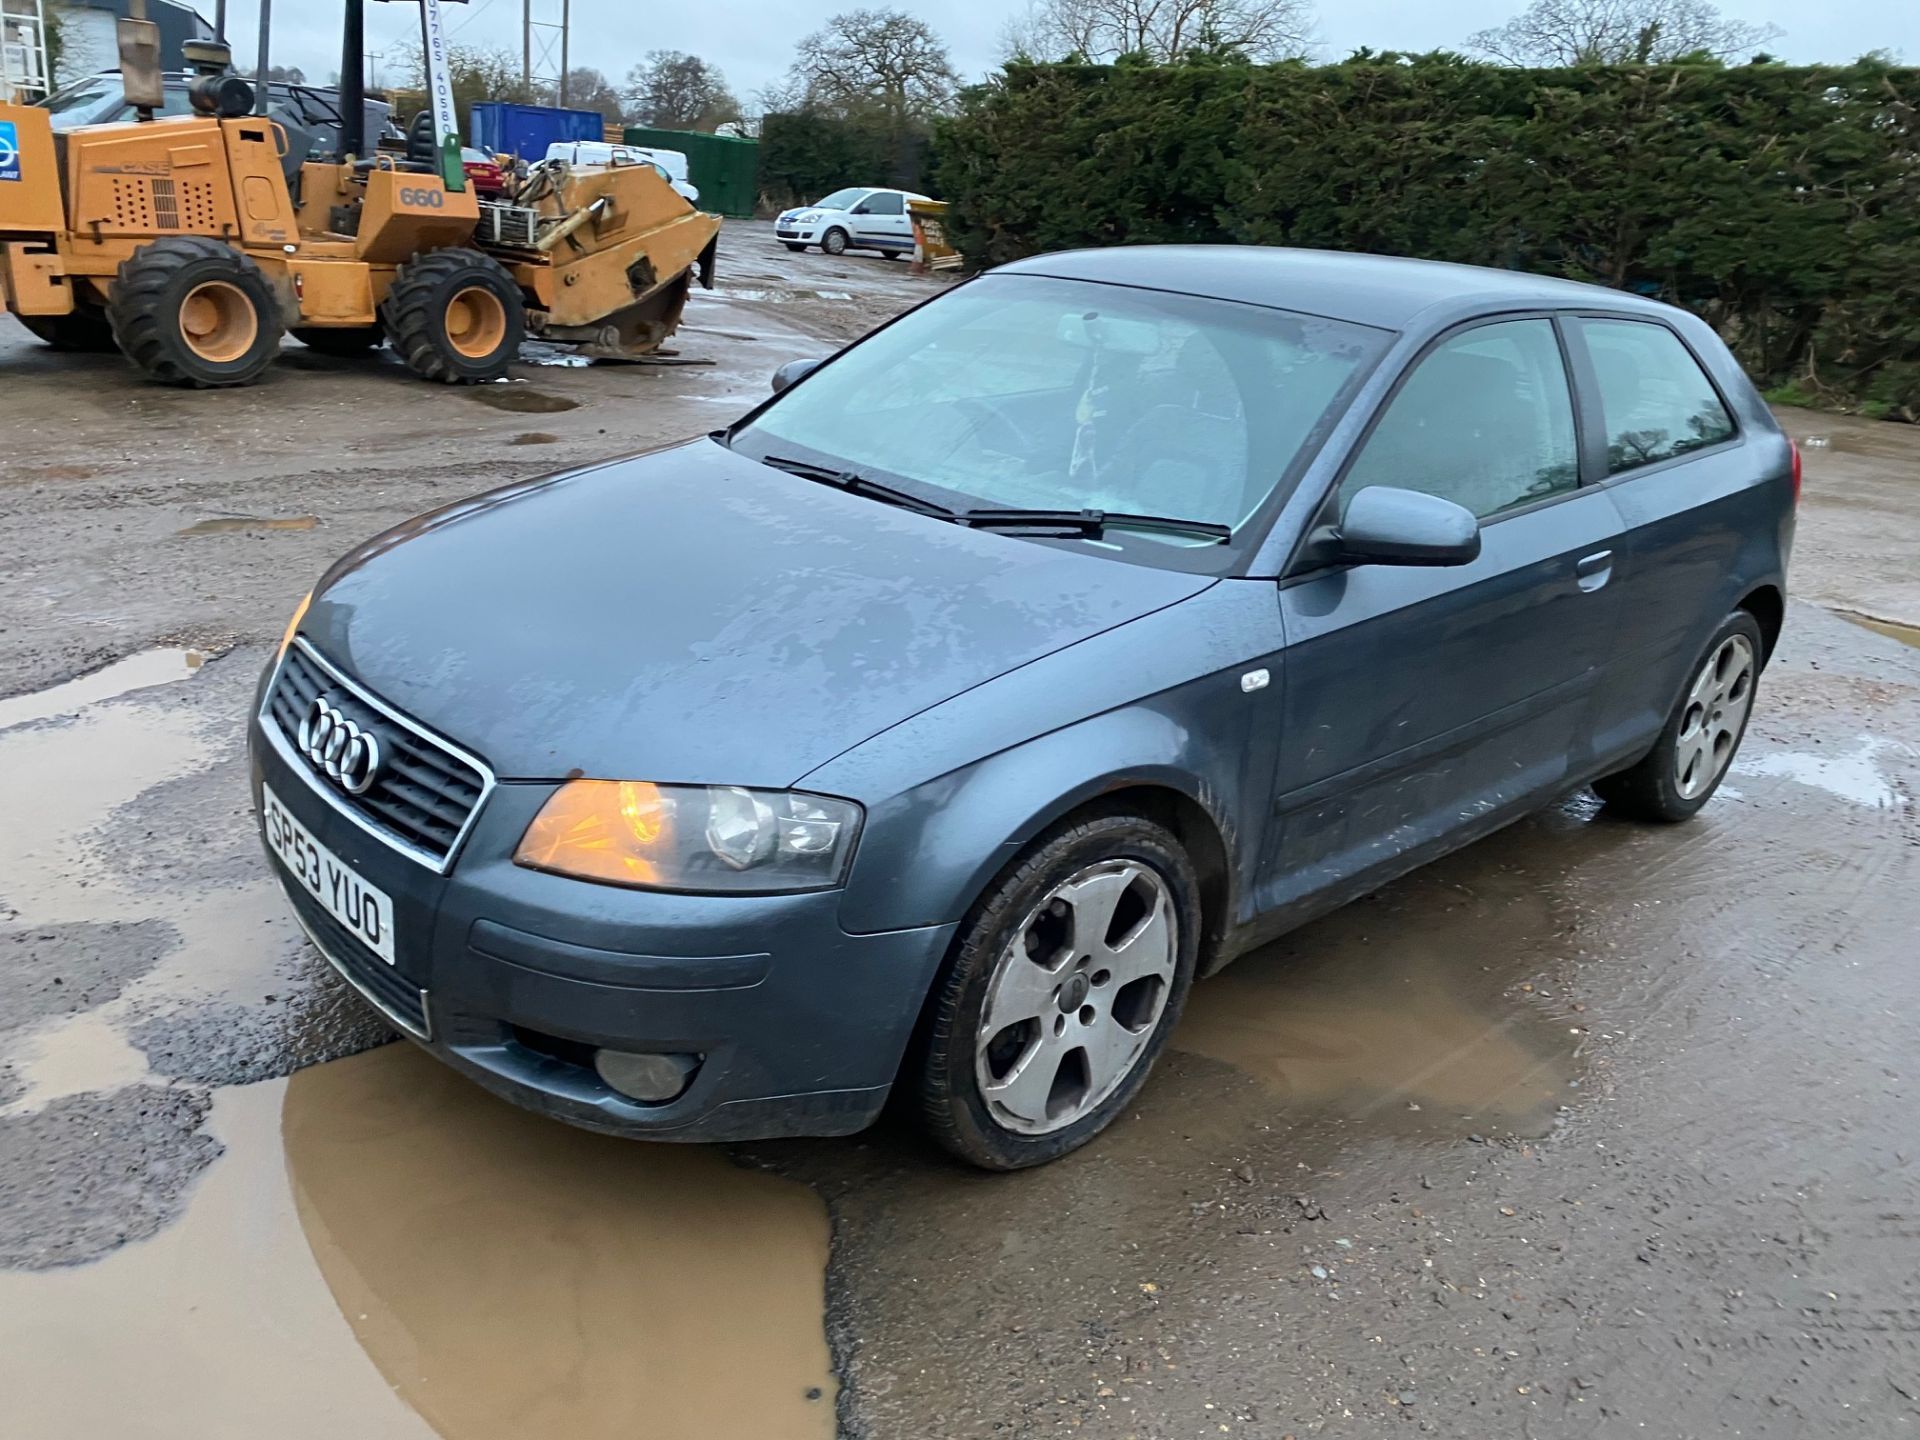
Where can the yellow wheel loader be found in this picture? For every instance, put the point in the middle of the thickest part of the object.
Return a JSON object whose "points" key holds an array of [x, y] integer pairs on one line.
{"points": [[193, 243]]}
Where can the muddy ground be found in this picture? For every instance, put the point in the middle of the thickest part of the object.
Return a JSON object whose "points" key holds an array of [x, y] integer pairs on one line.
{"points": [[1591, 1130]]}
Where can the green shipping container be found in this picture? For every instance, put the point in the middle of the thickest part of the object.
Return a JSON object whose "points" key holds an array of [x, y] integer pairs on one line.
{"points": [[725, 170]]}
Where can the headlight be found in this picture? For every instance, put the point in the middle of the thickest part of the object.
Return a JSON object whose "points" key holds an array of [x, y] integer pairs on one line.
{"points": [[712, 839], [807, 217], [299, 614]]}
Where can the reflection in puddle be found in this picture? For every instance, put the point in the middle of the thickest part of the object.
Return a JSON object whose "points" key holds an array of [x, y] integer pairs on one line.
{"points": [[512, 1276], [1893, 629], [1854, 776], [1362, 1015], [226, 524], [521, 402], [502, 1275], [123, 677]]}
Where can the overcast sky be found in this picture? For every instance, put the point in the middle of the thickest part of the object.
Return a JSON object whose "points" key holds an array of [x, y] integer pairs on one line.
{"points": [[752, 40]]}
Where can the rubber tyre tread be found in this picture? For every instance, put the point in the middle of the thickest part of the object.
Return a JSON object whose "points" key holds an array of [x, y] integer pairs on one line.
{"points": [[415, 314], [940, 1069], [1647, 790], [144, 311]]}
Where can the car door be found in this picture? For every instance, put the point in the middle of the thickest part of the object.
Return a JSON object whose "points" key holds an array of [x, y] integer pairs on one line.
{"points": [[1422, 706], [880, 221], [1691, 499]]}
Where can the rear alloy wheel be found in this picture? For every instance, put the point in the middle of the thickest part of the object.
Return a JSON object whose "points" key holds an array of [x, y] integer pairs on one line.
{"points": [[1065, 985], [834, 242], [455, 316], [189, 310], [86, 331], [1697, 745]]}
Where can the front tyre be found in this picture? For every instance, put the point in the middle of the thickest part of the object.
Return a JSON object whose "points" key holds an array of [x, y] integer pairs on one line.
{"points": [[455, 316], [1066, 980], [795, 246], [834, 242], [191, 310], [1697, 745], [86, 331]]}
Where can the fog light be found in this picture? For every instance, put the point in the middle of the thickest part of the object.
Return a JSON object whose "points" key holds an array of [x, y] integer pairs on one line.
{"points": [[652, 1078]]}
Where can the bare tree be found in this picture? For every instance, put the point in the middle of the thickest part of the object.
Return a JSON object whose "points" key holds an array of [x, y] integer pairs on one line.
{"points": [[1619, 32], [588, 89], [672, 90], [1162, 30], [883, 61]]}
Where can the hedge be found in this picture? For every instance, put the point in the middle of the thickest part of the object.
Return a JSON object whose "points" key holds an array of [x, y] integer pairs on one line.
{"points": [[804, 156], [1781, 203]]}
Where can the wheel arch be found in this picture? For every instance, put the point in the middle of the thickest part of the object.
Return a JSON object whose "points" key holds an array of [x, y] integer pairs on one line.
{"points": [[1768, 606]]}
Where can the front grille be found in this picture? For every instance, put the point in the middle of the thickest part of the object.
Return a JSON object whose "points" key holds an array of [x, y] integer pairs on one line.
{"points": [[390, 992], [425, 793]]}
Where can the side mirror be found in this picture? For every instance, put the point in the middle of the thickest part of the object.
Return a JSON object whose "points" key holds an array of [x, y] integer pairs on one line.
{"points": [[860, 210], [1385, 525], [793, 372]]}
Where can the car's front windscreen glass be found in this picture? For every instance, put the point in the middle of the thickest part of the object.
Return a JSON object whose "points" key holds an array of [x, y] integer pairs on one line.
{"points": [[84, 103], [1031, 392], [840, 200]]}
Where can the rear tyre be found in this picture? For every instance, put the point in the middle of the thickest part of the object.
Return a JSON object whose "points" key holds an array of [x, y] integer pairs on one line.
{"points": [[347, 342], [1702, 735], [455, 316], [84, 332], [894, 254], [189, 310], [1065, 981], [834, 242], [793, 245]]}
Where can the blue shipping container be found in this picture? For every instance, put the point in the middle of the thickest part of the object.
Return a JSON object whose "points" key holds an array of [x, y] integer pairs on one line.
{"points": [[503, 128]]}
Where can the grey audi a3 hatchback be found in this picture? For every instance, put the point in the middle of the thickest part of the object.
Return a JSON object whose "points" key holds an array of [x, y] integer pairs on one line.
{"points": [[935, 726]]}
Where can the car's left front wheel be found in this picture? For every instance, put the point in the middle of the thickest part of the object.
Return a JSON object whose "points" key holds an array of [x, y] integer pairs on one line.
{"points": [[1066, 981]]}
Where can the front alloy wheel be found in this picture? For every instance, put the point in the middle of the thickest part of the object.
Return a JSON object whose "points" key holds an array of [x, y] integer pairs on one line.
{"points": [[1064, 985]]}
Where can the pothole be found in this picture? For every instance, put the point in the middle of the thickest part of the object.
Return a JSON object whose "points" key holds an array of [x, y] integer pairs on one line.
{"points": [[227, 524], [514, 399], [137, 672]]}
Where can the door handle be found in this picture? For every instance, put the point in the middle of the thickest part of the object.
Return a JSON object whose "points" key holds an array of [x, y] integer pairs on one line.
{"points": [[1594, 570]]}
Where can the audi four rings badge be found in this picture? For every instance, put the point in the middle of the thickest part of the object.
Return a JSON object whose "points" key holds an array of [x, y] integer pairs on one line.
{"points": [[339, 748]]}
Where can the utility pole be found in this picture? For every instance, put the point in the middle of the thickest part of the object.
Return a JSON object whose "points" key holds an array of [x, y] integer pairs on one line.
{"points": [[566, 25], [526, 46]]}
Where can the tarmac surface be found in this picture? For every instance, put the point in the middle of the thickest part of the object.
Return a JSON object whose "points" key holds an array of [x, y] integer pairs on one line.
{"points": [[1589, 1130]]}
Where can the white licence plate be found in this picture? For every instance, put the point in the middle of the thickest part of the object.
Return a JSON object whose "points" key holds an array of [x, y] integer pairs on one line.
{"points": [[366, 910]]}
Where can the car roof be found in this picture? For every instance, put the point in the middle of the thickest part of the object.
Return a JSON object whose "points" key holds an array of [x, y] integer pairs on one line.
{"points": [[1387, 291]]}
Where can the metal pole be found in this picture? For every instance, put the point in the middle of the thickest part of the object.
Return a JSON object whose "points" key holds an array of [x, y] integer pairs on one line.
{"points": [[566, 22], [526, 47], [220, 21], [260, 69], [353, 80]]}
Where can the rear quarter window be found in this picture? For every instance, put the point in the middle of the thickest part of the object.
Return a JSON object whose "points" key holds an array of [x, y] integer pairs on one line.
{"points": [[1655, 400]]}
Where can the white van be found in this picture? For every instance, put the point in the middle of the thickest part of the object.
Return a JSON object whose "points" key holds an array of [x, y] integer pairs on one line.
{"points": [[672, 164]]}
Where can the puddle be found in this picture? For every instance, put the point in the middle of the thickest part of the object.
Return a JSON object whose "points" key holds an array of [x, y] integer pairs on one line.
{"points": [[781, 297], [534, 437], [1852, 776], [387, 1252], [1893, 629], [123, 677], [1413, 1026], [545, 352], [226, 524], [521, 402]]}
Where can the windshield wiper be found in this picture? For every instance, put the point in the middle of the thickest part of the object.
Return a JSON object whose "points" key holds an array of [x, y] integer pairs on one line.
{"points": [[1091, 522], [860, 485]]}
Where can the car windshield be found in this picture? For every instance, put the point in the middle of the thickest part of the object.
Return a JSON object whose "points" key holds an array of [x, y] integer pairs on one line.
{"points": [[1029, 392], [840, 200], [85, 102]]}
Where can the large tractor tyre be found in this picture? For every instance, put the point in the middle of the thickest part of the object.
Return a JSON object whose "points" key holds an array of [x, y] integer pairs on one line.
{"points": [[84, 332], [189, 310], [345, 341], [455, 316]]}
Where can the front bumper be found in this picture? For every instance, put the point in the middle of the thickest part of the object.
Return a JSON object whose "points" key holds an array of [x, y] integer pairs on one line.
{"points": [[515, 977], [797, 234]]}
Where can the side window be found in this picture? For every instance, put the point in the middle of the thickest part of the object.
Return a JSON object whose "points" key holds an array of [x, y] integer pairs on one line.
{"points": [[1655, 400], [887, 203], [1486, 421]]}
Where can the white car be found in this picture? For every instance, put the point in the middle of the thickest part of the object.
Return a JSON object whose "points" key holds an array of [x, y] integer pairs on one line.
{"points": [[672, 164], [859, 218]]}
